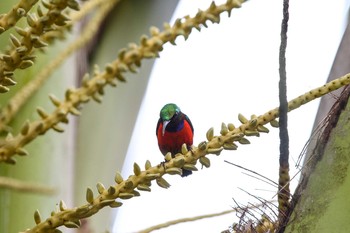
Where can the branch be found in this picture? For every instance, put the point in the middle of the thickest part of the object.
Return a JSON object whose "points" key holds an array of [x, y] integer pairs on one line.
{"points": [[183, 220], [141, 180], [284, 144], [284, 179], [128, 60], [43, 28], [18, 11], [8, 112]]}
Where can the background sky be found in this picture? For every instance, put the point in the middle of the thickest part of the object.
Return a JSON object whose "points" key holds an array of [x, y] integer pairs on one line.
{"points": [[226, 69]]}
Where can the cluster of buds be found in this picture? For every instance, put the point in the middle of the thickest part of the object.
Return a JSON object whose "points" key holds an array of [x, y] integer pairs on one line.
{"points": [[141, 180], [129, 59], [43, 27]]}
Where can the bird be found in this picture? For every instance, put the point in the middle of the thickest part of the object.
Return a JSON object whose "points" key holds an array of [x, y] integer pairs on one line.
{"points": [[174, 128]]}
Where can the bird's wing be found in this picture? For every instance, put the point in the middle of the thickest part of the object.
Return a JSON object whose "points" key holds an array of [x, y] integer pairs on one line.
{"points": [[158, 124], [189, 122]]}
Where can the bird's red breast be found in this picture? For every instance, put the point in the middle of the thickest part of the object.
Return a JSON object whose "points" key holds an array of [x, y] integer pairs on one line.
{"points": [[172, 141]]}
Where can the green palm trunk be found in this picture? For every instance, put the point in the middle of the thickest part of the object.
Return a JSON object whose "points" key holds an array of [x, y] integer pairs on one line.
{"points": [[104, 131]]}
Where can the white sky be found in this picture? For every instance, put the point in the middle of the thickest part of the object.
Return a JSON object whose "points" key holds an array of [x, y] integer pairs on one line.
{"points": [[226, 69]]}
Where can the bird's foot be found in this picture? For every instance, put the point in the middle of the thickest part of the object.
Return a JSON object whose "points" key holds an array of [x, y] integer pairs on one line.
{"points": [[163, 164], [190, 148]]}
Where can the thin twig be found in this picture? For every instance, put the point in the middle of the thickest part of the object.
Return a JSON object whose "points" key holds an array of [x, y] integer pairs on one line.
{"points": [[251, 171], [263, 201], [182, 220]]}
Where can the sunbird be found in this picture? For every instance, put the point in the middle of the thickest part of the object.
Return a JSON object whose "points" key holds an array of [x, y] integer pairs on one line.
{"points": [[174, 128]]}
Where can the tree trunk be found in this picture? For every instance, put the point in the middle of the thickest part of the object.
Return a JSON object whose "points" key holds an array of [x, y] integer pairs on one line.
{"points": [[321, 200]]}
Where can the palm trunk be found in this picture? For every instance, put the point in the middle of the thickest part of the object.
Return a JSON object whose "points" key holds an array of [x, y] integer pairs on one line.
{"points": [[321, 200]]}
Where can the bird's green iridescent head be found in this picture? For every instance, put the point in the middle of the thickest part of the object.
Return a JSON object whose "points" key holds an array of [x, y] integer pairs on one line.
{"points": [[168, 111]]}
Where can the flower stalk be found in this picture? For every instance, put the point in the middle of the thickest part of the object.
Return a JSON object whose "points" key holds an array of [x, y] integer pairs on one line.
{"points": [[43, 28], [18, 11], [141, 180], [8, 112], [129, 59]]}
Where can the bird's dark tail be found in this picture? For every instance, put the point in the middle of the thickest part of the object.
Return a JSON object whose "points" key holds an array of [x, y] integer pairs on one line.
{"points": [[186, 172]]}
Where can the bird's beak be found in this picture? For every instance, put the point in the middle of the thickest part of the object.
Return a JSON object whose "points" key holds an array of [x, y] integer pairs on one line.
{"points": [[165, 123]]}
